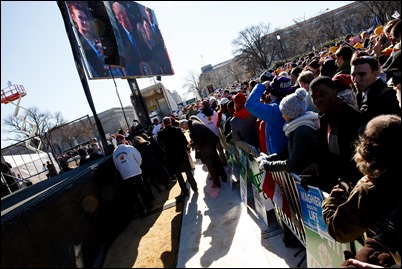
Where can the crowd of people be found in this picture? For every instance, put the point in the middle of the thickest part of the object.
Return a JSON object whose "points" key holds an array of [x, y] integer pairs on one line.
{"points": [[12, 181], [159, 160], [334, 117]]}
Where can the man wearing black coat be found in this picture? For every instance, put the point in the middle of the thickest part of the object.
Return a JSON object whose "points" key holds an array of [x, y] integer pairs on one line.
{"points": [[374, 97], [175, 144], [205, 141]]}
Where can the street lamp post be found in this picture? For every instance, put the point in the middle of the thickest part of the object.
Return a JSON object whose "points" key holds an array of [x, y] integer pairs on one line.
{"points": [[280, 43]]}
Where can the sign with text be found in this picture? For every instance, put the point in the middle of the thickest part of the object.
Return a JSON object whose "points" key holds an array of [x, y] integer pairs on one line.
{"points": [[321, 249], [310, 204], [256, 176]]}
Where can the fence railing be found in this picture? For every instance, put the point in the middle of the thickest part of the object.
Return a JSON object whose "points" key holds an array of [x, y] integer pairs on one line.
{"points": [[286, 184], [298, 207]]}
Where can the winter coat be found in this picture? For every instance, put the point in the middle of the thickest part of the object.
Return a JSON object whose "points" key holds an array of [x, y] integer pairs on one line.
{"points": [[175, 144], [204, 140], [366, 207], [303, 145], [276, 139], [345, 121], [378, 101]]}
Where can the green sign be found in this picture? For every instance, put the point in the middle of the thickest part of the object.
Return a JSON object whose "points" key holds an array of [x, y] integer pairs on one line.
{"points": [[322, 252], [321, 249]]}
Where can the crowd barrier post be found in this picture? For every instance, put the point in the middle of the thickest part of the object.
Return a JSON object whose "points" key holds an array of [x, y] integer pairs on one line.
{"points": [[281, 189], [230, 167], [249, 172], [261, 201], [287, 205], [243, 176]]}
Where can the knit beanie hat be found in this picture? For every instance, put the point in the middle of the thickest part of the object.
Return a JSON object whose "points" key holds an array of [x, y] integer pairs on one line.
{"points": [[239, 99], [281, 86], [294, 105]]}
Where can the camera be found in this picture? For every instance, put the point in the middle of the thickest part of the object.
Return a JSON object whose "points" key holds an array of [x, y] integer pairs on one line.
{"points": [[346, 185]]}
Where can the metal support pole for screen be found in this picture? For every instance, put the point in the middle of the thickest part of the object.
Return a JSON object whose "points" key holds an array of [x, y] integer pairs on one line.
{"points": [[78, 63], [139, 104]]}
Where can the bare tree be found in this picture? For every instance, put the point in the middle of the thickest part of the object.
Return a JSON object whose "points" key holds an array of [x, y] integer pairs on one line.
{"points": [[208, 78], [305, 36], [79, 131], [238, 72], [328, 27], [383, 9], [22, 127], [194, 82], [250, 66], [255, 47], [359, 19]]}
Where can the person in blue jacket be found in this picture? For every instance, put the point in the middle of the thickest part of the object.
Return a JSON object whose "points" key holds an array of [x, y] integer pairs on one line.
{"points": [[276, 139]]}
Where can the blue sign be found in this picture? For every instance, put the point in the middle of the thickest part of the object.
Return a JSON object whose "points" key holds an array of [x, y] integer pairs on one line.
{"points": [[310, 204]]}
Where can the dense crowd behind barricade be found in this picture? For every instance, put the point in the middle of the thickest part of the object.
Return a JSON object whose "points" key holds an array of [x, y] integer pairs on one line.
{"points": [[332, 116]]}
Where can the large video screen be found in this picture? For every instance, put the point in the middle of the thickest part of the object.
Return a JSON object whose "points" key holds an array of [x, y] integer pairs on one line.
{"points": [[139, 41]]}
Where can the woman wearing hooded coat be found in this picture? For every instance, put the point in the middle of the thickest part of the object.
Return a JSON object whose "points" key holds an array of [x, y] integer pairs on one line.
{"points": [[301, 128]]}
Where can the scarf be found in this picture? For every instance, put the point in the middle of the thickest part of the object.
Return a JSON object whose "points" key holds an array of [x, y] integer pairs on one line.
{"points": [[242, 113], [309, 119]]}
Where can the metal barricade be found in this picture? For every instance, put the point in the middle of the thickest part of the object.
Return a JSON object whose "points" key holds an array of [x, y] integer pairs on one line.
{"points": [[287, 186]]}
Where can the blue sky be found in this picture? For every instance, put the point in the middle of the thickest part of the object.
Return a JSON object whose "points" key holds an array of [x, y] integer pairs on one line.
{"points": [[36, 53]]}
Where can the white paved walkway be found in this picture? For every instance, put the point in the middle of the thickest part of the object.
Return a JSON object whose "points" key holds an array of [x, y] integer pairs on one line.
{"points": [[219, 231]]}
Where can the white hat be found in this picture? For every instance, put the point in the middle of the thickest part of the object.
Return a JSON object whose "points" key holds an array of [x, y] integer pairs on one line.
{"points": [[223, 101]]}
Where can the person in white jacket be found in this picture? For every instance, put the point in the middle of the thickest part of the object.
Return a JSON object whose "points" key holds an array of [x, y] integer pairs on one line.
{"points": [[127, 160], [210, 118]]}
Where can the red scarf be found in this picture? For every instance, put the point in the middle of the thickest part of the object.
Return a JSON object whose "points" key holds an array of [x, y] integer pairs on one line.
{"points": [[242, 113]]}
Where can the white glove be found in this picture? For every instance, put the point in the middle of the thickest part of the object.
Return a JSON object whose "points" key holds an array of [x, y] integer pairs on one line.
{"points": [[261, 158], [262, 164]]}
